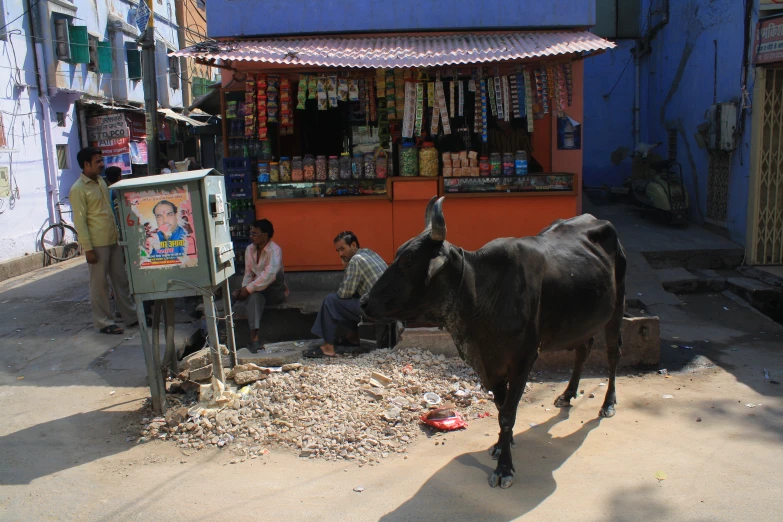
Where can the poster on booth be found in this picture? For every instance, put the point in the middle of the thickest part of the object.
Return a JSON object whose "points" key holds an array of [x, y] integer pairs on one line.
{"points": [[110, 134], [166, 217]]}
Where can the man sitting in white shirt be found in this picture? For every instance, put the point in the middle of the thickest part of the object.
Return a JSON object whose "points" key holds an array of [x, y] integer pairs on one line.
{"points": [[264, 281]]}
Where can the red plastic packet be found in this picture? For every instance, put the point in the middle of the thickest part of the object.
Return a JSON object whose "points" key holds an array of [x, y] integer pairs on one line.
{"points": [[435, 419]]}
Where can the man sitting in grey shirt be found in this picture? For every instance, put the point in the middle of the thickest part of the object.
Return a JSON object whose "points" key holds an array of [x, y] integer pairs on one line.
{"points": [[363, 268]]}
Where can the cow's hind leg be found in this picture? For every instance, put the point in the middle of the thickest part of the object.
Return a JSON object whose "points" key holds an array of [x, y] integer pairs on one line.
{"points": [[613, 343], [503, 475], [582, 352]]}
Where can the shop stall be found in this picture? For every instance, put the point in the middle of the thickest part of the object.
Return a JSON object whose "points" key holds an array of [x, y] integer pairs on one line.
{"points": [[330, 134]]}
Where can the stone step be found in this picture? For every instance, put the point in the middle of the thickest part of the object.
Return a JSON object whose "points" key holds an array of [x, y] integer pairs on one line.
{"points": [[641, 347], [681, 281]]}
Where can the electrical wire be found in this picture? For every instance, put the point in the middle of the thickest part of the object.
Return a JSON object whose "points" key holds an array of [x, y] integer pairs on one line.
{"points": [[21, 15], [644, 26]]}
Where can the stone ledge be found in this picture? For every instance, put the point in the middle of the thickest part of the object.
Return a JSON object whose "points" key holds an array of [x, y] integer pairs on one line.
{"points": [[641, 346]]}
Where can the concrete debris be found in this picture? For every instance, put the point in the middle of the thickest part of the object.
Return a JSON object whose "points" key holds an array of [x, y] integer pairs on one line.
{"points": [[199, 374], [196, 360], [243, 378], [322, 409]]}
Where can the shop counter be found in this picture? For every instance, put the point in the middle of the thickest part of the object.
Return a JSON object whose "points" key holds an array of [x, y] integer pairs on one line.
{"points": [[384, 214], [308, 215], [478, 210], [409, 201]]}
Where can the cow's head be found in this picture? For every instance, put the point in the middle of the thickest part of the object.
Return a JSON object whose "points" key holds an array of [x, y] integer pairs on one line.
{"points": [[414, 285]]}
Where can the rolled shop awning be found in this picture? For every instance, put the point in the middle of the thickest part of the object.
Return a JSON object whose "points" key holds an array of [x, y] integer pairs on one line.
{"points": [[401, 50]]}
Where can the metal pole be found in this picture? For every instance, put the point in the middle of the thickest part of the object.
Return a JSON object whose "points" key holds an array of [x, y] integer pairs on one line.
{"points": [[170, 359], [214, 340], [156, 383], [231, 340], [150, 84]]}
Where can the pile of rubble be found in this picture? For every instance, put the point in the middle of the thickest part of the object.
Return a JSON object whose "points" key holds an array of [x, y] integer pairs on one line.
{"points": [[363, 408]]}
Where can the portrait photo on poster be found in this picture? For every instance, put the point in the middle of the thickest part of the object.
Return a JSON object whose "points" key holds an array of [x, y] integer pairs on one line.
{"points": [[165, 218]]}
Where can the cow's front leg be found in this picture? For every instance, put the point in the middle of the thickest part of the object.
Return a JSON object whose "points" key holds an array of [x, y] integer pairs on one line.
{"points": [[499, 394], [503, 475]]}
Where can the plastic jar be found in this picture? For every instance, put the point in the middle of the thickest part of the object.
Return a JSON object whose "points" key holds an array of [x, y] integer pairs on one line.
{"points": [[357, 166], [495, 165], [333, 168], [520, 163], [320, 168], [409, 160], [297, 169], [285, 168], [484, 167], [508, 164], [308, 167], [263, 172], [274, 172], [381, 166], [428, 160], [345, 166], [369, 165]]}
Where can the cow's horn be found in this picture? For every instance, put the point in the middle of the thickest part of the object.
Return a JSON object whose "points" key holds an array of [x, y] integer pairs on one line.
{"points": [[438, 232], [428, 212]]}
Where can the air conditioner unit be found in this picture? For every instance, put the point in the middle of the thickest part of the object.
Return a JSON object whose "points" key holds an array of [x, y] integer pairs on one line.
{"points": [[63, 40], [722, 118]]}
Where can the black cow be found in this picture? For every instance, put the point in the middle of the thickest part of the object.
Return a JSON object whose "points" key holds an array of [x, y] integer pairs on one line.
{"points": [[510, 300]]}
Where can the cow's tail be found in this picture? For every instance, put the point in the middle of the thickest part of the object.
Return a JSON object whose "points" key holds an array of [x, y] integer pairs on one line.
{"points": [[620, 268], [620, 264]]}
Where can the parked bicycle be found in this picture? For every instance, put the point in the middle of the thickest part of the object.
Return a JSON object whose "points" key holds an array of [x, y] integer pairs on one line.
{"points": [[59, 241]]}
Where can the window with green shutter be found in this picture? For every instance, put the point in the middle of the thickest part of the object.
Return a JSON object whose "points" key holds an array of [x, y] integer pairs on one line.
{"points": [[105, 62], [134, 64], [79, 40]]}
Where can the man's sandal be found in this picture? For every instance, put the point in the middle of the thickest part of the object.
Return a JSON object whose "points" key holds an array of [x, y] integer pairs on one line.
{"points": [[317, 352], [112, 329]]}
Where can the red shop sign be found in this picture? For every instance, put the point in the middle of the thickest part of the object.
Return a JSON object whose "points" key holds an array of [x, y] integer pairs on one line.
{"points": [[768, 46]]}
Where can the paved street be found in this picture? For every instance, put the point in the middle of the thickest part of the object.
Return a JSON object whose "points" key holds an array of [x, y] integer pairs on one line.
{"points": [[64, 452]]}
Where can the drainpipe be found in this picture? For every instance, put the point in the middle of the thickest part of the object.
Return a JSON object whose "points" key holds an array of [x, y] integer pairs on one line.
{"points": [[637, 97], [642, 48], [50, 61], [179, 6], [47, 145]]}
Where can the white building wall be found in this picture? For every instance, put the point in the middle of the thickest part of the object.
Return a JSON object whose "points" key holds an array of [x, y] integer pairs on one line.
{"points": [[25, 214]]}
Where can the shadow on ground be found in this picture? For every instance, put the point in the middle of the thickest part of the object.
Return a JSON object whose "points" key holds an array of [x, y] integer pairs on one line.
{"points": [[737, 339], [51, 447], [537, 456]]}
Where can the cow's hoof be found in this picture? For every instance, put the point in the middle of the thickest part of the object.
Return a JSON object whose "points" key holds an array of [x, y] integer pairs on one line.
{"points": [[497, 479], [562, 402], [607, 412], [494, 479], [494, 452]]}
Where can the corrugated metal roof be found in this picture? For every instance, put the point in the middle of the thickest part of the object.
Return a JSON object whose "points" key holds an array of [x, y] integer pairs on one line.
{"points": [[404, 51], [168, 113]]}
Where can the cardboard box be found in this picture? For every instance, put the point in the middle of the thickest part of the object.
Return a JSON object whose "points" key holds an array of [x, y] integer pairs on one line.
{"points": [[447, 172]]}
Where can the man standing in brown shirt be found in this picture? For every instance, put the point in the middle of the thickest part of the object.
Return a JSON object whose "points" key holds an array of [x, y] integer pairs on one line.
{"points": [[97, 229]]}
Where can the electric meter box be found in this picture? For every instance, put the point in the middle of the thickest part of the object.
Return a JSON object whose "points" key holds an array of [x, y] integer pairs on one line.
{"points": [[175, 227]]}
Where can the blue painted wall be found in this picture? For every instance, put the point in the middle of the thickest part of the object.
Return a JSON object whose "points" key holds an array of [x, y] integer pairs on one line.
{"points": [[677, 85], [229, 18], [608, 106]]}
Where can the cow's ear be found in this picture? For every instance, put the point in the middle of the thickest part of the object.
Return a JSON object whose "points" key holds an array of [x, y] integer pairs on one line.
{"points": [[437, 263]]}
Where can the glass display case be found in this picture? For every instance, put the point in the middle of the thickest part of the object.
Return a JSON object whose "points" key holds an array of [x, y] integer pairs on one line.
{"points": [[554, 182], [322, 189]]}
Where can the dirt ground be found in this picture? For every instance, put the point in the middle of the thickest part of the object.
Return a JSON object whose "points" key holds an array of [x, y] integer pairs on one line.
{"points": [[64, 453]]}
